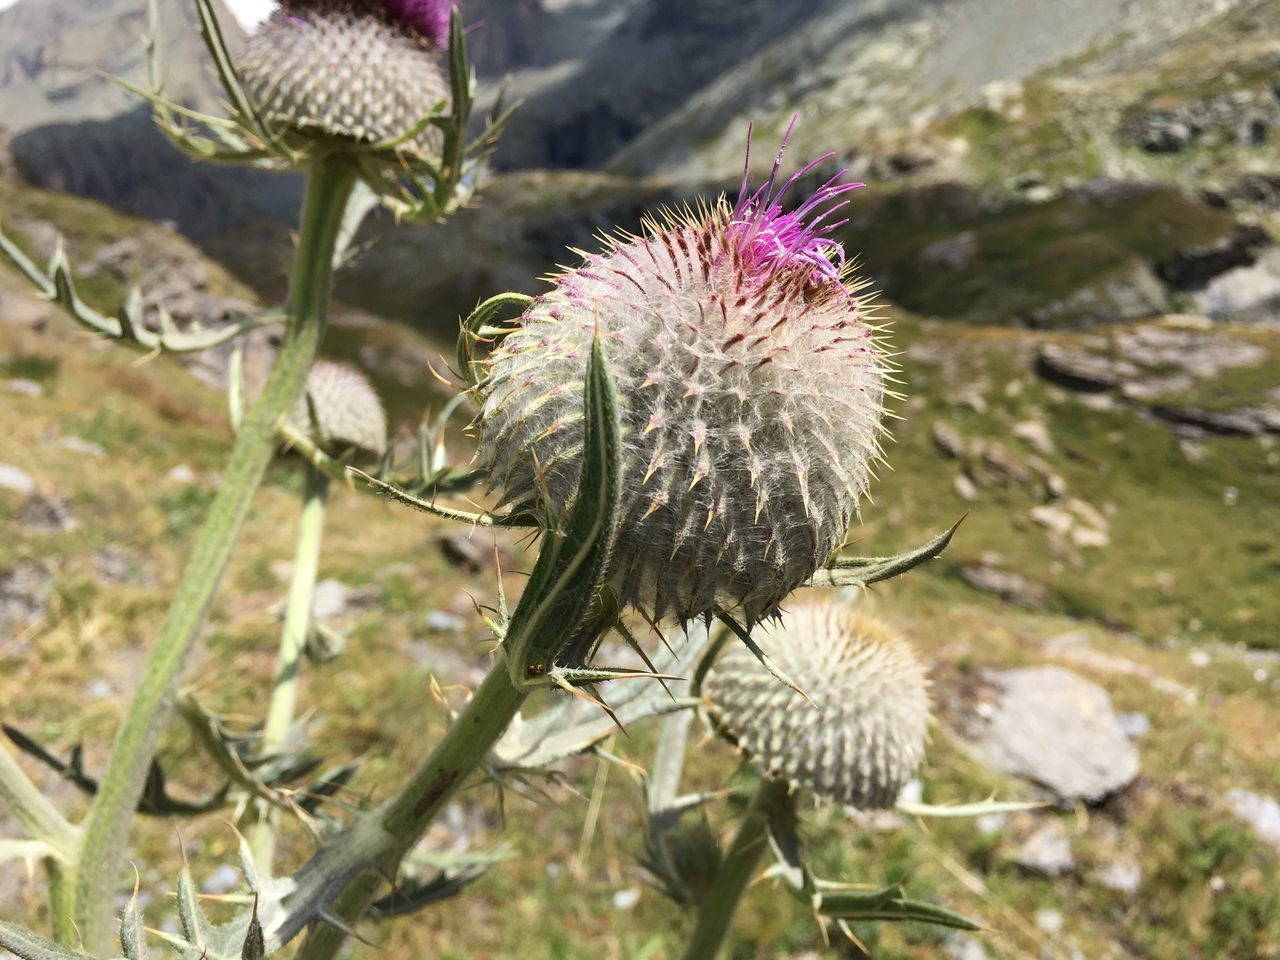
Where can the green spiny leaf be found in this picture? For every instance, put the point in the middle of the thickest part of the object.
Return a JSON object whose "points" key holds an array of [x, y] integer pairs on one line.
{"points": [[889, 904], [863, 571], [27, 945], [574, 562], [133, 936]]}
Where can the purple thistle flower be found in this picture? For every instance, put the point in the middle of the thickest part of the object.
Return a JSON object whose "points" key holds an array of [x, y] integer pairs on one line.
{"points": [[428, 17], [768, 239], [750, 382]]}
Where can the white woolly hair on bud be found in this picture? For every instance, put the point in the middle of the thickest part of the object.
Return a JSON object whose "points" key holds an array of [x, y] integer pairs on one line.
{"points": [[344, 70], [859, 737], [340, 411], [751, 383]]}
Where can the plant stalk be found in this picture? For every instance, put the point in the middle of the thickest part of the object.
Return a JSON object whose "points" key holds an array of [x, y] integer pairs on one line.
{"points": [[293, 641], [406, 818], [329, 183], [736, 869], [33, 810]]}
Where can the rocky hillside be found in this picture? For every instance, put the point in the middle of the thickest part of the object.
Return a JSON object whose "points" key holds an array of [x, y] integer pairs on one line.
{"points": [[1101, 633]]}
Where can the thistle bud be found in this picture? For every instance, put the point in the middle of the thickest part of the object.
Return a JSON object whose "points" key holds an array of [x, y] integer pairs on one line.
{"points": [[750, 384], [340, 412], [350, 73], [859, 737]]}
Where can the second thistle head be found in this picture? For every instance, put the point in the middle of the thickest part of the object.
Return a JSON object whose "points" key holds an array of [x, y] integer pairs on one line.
{"points": [[351, 74], [750, 381], [857, 735], [340, 412]]}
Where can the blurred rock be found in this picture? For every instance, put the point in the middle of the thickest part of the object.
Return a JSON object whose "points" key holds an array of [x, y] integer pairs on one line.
{"points": [[1249, 294], [1056, 728], [114, 566], [1193, 268], [84, 448], [475, 553], [1122, 876], [1261, 814], [47, 515], [334, 599], [24, 595], [1008, 586], [1047, 851], [25, 388], [16, 480], [1135, 725], [952, 253], [964, 946]]}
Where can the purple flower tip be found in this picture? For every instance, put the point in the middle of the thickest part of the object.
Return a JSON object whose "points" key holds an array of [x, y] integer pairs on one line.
{"points": [[767, 239], [428, 17]]}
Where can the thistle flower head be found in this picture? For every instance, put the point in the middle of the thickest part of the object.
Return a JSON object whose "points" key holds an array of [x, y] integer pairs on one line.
{"points": [[751, 385], [340, 411], [360, 74], [860, 739]]}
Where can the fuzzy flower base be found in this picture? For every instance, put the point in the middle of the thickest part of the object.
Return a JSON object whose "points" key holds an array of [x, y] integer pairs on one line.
{"points": [[344, 71], [860, 739], [751, 385]]}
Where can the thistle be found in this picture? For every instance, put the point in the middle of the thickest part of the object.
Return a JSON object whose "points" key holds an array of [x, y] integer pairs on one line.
{"points": [[856, 735], [751, 385], [351, 74], [340, 412]]}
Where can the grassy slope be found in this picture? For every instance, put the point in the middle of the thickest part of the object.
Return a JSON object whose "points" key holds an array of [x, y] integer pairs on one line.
{"points": [[375, 701]]}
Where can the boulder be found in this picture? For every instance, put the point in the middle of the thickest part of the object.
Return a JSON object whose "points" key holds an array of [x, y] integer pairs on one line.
{"points": [[1056, 728]]}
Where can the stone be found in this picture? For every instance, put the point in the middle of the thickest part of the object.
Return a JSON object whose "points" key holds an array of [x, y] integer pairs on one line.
{"points": [[85, 448], [474, 553], [1047, 851], [965, 488], [181, 474], [1050, 921], [1260, 813], [626, 899], [1194, 267], [1035, 434], [114, 566], [25, 388], [24, 596], [1244, 295], [947, 439], [1008, 586], [1053, 519], [1135, 725], [441, 621], [329, 600], [964, 946], [952, 253], [47, 515], [1086, 538], [1059, 730], [1122, 876], [16, 480]]}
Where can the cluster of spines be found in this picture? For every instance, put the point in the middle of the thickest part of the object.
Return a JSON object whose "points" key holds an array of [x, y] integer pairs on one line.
{"points": [[857, 733]]}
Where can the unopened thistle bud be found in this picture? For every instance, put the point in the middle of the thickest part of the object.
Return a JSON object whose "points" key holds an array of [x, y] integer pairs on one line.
{"points": [[340, 412], [750, 384], [858, 738], [351, 74]]}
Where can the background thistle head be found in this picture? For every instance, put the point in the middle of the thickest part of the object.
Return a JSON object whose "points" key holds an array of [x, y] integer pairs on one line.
{"points": [[351, 73], [340, 412], [751, 385], [859, 737]]}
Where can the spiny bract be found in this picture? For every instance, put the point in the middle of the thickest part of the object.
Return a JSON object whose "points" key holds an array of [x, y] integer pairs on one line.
{"points": [[341, 412], [862, 737], [359, 72], [750, 384]]}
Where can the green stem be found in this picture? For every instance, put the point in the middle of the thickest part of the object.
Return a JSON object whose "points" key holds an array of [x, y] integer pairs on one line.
{"points": [[736, 869], [329, 183], [293, 641], [466, 743], [33, 810]]}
